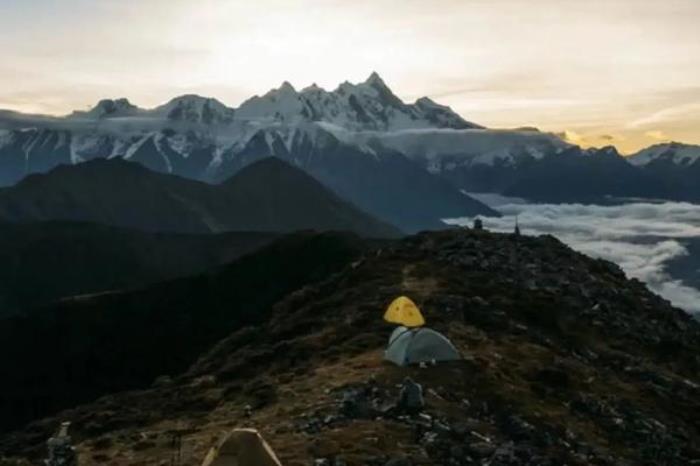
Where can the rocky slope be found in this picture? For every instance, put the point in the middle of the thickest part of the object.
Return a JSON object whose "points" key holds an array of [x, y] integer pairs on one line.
{"points": [[566, 362], [268, 195]]}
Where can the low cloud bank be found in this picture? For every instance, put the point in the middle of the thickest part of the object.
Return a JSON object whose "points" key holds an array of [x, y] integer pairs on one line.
{"points": [[641, 237]]}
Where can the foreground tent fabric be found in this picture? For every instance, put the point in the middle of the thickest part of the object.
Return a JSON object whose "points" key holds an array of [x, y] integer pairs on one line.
{"points": [[242, 447], [413, 346], [404, 312]]}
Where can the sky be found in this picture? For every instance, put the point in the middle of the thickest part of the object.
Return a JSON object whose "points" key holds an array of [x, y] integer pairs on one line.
{"points": [[621, 72]]}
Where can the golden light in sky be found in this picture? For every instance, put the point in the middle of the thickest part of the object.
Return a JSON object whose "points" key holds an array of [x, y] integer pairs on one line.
{"points": [[622, 72]]}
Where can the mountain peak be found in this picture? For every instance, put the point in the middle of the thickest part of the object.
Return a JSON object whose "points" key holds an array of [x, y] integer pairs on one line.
{"points": [[312, 88], [123, 102], [287, 87], [605, 151], [676, 152], [190, 98], [107, 108], [196, 109], [375, 80], [427, 102], [609, 150], [298, 201], [365, 105]]}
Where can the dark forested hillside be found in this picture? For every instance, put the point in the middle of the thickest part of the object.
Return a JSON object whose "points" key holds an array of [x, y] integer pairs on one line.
{"points": [[46, 261], [75, 350]]}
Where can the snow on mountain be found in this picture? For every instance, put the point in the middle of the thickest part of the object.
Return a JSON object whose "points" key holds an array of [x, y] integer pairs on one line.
{"points": [[108, 108], [675, 152], [366, 106], [195, 109], [202, 138], [445, 149], [186, 108], [89, 146], [609, 151], [278, 105], [5, 137]]}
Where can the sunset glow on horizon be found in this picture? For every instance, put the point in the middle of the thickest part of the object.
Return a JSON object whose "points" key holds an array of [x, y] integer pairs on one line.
{"points": [[602, 72]]}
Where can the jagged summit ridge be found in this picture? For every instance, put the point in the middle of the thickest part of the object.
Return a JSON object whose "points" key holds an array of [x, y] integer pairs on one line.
{"points": [[109, 108], [196, 109], [674, 152], [369, 105]]}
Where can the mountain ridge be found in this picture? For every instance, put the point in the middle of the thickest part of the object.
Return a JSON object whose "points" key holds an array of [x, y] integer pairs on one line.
{"points": [[344, 138], [126, 194], [676, 152], [348, 101], [566, 361]]}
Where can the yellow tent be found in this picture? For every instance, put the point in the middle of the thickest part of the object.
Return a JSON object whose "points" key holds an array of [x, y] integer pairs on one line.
{"points": [[242, 447], [404, 312]]}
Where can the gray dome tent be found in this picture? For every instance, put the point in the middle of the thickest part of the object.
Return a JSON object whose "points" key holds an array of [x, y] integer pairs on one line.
{"points": [[413, 346]]}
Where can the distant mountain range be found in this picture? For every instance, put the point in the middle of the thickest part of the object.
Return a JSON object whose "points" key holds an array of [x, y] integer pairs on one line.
{"points": [[268, 195], [202, 139], [678, 165], [408, 164], [565, 173]]}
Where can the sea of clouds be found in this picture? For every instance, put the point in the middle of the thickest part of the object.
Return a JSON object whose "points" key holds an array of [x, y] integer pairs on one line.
{"points": [[641, 237]]}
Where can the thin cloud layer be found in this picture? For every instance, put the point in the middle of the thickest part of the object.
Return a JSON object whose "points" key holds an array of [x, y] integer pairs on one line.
{"points": [[641, 237]]}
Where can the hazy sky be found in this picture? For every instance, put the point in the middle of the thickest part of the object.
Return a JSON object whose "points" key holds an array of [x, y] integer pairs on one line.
{"points": [[625, 72]]}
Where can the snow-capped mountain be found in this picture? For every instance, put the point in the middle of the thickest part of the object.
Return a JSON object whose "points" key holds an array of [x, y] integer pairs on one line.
{"points": [[406, 163], [367, 106], [576, 175], [334, 135], [444, 150], [108, 108], [674, 152], [195, 109], [678, 165]]}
